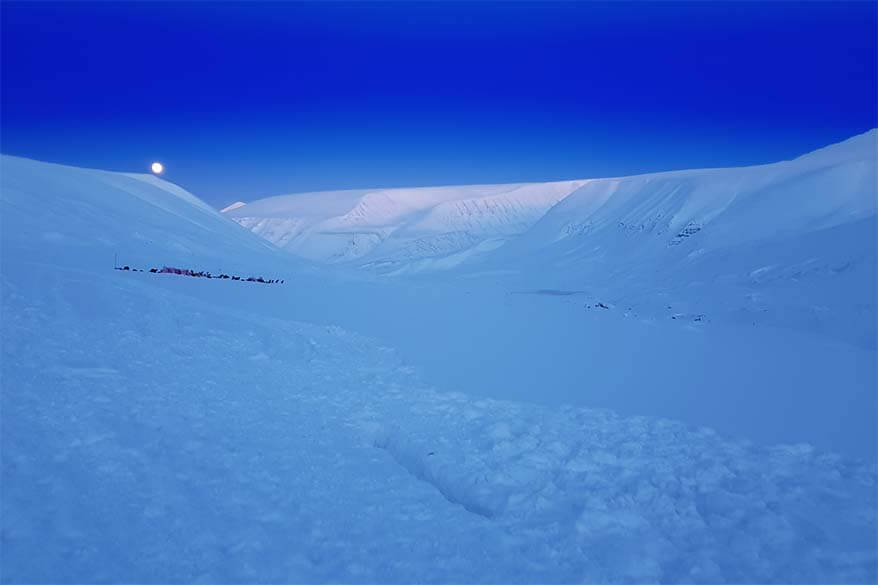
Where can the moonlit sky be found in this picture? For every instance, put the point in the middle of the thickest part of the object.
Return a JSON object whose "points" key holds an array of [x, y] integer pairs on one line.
{"points": [[241, 101]]}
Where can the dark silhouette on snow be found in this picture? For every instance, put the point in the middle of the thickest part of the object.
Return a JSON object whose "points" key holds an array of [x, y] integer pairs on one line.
{"points": [[201, 274]]}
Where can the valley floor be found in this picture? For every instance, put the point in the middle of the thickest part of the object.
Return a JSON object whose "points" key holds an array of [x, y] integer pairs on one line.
{"points": [[158, 429]]}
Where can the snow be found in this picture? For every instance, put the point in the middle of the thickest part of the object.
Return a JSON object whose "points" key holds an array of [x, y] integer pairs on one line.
{"points": [[735, 292], [381, 224], [81, 217], [232, 206], [393, 227], [437, 426]]}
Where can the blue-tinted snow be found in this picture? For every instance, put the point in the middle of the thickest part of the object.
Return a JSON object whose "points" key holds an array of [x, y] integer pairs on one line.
{"points": [[159, 428]]}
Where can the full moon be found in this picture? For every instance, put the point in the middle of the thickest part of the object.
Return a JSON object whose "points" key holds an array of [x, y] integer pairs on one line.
{"points": [[157, 168]]}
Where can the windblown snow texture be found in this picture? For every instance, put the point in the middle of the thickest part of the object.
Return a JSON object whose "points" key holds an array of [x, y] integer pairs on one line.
{"points": [[162, 429]]}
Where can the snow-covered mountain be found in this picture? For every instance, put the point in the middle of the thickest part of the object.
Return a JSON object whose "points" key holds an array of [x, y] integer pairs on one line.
{"points": [[789, 244], [404, 224], [693, 211]]}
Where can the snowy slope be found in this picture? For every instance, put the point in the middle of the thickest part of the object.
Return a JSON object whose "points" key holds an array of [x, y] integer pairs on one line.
{"points": [[410, 229], [790, 244], [705, 210], [831, 186], [55, 214], [168, 429], [389, 224]]}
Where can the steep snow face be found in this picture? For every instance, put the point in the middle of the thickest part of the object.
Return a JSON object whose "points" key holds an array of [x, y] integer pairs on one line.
{"points": [[87, 217], [399, 225]]}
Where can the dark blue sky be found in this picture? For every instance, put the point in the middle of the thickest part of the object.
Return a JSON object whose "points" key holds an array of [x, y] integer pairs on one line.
{"points": [[247, 100]]}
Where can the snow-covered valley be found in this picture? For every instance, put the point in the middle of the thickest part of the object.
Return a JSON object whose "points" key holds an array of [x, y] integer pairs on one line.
{"points": [[668, 378], [719, 297], [784, 244]]}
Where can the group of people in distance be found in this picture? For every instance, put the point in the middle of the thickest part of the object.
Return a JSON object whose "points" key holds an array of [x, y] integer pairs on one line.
{"points": [[202, 274]]}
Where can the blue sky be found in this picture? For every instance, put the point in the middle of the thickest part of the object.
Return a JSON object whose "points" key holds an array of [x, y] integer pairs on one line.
{"points": [[247, 100]]}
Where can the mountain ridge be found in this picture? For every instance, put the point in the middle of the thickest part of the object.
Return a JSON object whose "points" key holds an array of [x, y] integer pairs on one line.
{"points": [[380, 227]]}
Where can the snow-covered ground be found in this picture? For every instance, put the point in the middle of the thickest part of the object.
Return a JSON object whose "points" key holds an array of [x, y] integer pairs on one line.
{"points": [[743, 299], [790, 244], [162, 428]]}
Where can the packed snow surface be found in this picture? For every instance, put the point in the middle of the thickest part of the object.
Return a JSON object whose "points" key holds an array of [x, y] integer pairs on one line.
{"points": [[162, 428]]}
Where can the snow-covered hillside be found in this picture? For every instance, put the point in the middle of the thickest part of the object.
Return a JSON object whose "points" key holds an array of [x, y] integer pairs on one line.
{"points": [[715, 208], [161, 428], [399, 224], [83, 218], [790, 244], [724, 207]]}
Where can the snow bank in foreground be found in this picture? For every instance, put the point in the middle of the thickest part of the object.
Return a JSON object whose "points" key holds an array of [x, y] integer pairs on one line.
{"points": [[149, 436]]}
